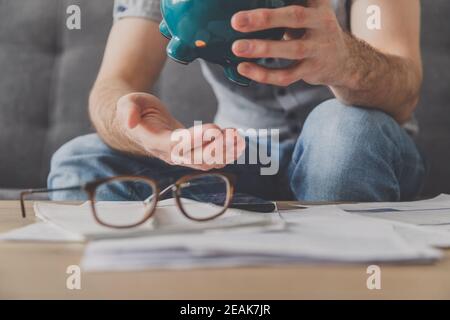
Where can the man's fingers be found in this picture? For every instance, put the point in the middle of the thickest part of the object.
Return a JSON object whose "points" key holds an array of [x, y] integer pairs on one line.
{"points": [[278, 77], [295, 17], [201, 134], [224, 149], [214, 148], [235, 145], [292, 49], [154, 143], [188, 144]]}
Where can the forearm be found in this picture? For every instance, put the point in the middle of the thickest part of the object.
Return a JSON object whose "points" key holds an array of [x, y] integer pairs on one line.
{"points": [[103, 113], [374, 79], [134, 57]]}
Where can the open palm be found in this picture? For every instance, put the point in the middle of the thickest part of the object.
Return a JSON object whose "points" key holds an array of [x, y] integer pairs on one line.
{"points": [[148, 123]]}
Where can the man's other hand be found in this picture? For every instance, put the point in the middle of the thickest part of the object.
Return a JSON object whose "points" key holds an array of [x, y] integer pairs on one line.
{"points": [[319, 55]]}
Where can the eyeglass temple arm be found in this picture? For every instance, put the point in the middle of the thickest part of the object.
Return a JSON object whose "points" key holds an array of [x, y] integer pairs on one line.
{"points": [[23, 194], [163, 192]]}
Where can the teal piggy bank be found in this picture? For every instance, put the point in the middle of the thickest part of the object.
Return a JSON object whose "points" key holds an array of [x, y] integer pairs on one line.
{"points": [[202, 29]]}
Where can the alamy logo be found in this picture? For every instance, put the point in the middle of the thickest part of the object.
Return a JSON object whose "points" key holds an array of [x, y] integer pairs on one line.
{"points": [[374, 19], [73, 21], [262, 147], [374, 280], [73, 281]]}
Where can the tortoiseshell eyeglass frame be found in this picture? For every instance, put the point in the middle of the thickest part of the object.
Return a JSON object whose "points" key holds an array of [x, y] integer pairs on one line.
{"points": [[176, 188]]}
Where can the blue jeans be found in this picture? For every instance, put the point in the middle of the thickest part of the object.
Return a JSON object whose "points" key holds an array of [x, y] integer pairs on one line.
{"points": [[343, 154]]}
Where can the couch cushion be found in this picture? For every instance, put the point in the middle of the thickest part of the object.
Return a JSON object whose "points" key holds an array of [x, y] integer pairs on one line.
{"points": [[47, 72], [27, 59]]}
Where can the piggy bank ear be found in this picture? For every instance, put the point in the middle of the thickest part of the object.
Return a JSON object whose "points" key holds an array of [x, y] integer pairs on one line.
{"points": [[165, 30], [181, 52], [233, 75]]}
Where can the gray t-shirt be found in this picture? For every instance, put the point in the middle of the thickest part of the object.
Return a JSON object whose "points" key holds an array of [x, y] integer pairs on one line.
{"points": [[258, 106]]}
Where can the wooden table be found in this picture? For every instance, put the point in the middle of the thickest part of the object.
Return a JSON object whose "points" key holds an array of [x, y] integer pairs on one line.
{"points": [[30, 270]]}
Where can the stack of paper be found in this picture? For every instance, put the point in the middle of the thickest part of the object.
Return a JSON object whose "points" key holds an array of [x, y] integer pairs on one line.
{"points": [[360, 233], [324, 234], [76, 223], [434, 214], [78, 219], [422, 235], [41, 232]]}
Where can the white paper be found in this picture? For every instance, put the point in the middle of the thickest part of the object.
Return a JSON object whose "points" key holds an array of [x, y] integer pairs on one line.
{"points": [[432, 212], [313, 235], [317, 234], [441, 202], [78, 219], [40, 232], [424, 235]]}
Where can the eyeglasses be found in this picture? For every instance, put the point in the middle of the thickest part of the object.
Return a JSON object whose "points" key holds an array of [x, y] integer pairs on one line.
{"points": [[214, 190]]}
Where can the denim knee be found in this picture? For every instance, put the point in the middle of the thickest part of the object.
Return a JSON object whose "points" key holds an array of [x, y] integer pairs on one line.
{"points": [[346, 153], [73, 164]]}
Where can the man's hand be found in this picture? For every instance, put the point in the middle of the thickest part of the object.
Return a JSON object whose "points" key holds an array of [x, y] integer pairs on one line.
{"points": [[139, 123], [146, 121], [379, 69], [320, 55]]}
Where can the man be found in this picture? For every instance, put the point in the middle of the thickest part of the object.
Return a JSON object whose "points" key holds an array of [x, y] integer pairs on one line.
{"points": [[361, 83]]}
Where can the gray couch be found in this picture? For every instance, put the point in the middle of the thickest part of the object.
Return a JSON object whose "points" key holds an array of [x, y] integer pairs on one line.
{"points": [[47, 71]]}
